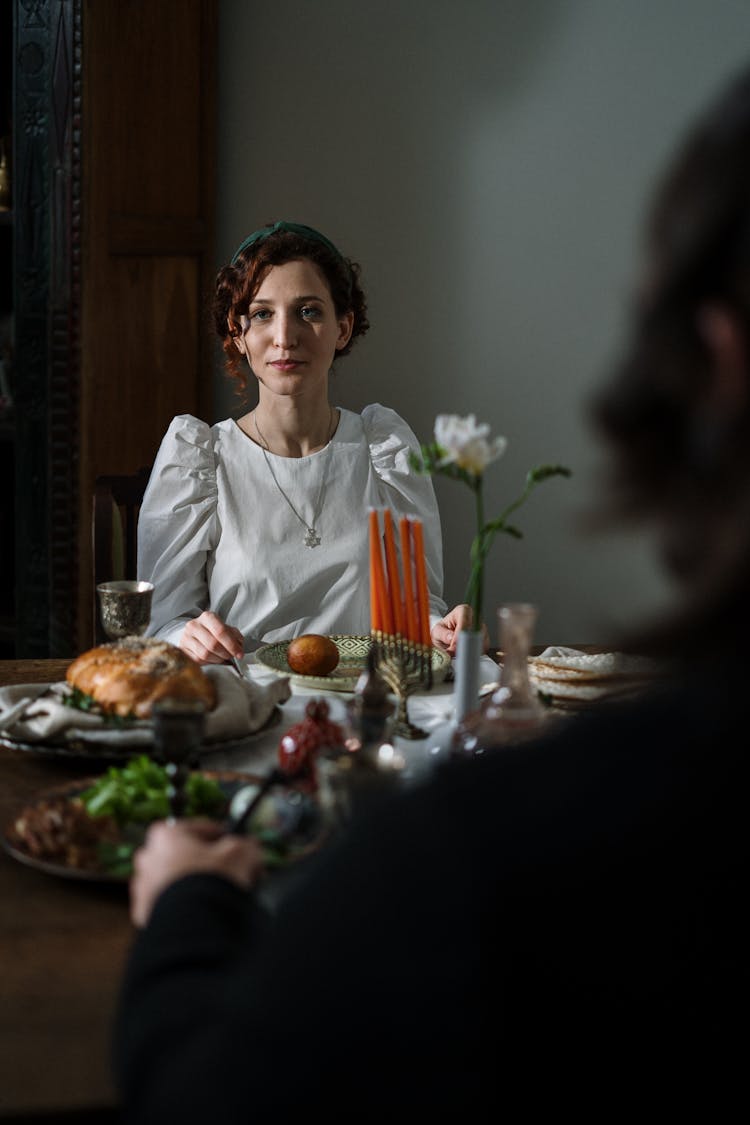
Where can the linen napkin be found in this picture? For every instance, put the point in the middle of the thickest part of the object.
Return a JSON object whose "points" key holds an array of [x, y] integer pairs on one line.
{"points": [[36, 713]]}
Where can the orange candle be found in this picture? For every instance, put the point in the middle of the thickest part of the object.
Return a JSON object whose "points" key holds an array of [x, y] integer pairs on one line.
{"points": [[394, 580], [410, 605], [423, 598], [376, 613], [382, 601]]}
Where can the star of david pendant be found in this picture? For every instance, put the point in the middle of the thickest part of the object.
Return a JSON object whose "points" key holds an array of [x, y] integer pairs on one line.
{"points": [[312, 539]]}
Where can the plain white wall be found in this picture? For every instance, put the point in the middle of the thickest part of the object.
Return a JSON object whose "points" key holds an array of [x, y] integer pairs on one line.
{"points": [[488, 163]]}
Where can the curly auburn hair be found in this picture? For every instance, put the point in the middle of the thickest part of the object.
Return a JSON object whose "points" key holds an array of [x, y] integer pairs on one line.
{"points": [[679, 457], [237, 284], [698, 246]]}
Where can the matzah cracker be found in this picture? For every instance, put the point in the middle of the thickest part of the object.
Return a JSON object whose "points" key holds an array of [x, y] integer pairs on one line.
{"points": [[593, 664], [566, 675], [584, 692]]}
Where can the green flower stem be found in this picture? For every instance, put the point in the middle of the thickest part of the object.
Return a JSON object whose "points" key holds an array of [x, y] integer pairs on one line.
{"points": [[476, 605], [486, 532], [531, 483], [433, 461]]}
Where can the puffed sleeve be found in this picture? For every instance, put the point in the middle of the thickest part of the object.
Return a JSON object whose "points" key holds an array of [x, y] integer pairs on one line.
{"points": [[405, 491], [178, 527]]}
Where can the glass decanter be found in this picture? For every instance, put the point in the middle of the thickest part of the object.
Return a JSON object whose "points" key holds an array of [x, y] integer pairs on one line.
{"points": [[514, 711]]}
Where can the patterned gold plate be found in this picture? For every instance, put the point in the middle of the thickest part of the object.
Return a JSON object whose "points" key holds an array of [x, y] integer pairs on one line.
{"points": [[352, 659]]}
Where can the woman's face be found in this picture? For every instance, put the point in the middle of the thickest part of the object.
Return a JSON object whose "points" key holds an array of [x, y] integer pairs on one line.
{"points": [[292, 332]]}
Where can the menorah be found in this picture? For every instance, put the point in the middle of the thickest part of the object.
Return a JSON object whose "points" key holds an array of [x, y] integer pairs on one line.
{"points": [[400, 615], [406, 668]]}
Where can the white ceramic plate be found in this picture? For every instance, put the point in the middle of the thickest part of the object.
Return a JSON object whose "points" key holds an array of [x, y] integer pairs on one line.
{"points": [[120, 749]]}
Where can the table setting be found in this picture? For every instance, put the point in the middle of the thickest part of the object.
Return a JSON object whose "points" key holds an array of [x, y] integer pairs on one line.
{"points": [[246, 717], [432, 709], [248, 709]]}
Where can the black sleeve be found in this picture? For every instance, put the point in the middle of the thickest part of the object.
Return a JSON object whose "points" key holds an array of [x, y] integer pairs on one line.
{"points": [[230, 1014], [172, 1014]]}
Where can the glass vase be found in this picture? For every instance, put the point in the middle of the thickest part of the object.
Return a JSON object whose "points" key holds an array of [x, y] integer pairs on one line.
{"points": [[513, 712]]}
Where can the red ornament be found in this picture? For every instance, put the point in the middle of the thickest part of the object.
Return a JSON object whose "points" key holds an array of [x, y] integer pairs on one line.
{"points": [[300, 745]]}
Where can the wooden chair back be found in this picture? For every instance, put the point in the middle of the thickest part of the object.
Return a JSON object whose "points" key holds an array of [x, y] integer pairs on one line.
{"points": [[114, 531]]}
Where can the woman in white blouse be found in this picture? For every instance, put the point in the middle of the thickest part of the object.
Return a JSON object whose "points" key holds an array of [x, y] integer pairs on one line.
{"points": [[257, 528]]}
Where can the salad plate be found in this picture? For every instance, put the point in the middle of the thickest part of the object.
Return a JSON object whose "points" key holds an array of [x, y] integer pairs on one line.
{"points": [[353, 650], [54, 833]]}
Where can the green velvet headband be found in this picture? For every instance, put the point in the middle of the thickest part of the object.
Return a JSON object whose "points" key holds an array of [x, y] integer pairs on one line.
{"points": [[282, 225]]}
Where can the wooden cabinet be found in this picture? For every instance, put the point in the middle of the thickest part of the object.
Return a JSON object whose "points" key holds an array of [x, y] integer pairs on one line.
{"points": [[113, 178], [7, 429]]}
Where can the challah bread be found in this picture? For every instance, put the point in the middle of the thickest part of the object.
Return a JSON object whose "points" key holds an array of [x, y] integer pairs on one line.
{"points": [[128, 676]]}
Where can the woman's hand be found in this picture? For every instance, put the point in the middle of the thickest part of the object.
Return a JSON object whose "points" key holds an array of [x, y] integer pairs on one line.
{"points": [[445, 632], [209, 641], [185, 847]]}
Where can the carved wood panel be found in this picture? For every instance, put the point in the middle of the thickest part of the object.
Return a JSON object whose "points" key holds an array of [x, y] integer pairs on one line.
{"points": [[46, 313], [113, 251]]}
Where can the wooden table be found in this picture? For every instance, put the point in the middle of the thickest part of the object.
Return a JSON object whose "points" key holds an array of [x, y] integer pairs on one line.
{"points": [[62, 950]]}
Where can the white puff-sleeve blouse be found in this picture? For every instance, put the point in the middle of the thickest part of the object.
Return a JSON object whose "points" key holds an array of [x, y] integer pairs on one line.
{"points": [[215, 531]]}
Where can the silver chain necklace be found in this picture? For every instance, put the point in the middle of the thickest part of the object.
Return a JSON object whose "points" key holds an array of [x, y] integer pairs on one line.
{"points": [[312, 538]]}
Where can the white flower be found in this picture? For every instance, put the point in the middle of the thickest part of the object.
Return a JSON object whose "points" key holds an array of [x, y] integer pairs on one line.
{"points": [[467, 444]]}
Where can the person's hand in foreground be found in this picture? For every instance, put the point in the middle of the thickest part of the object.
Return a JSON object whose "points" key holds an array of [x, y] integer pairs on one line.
{"points": [[209, 641], [173, 849], [445, 632]]}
